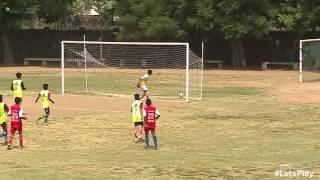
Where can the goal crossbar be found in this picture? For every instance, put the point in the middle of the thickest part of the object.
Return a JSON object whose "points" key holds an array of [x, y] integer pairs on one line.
{"points": [[129, 43]]}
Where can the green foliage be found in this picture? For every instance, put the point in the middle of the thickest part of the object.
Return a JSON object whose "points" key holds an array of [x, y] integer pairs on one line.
{"points": [[106, 8], [52, 11], [311, 12], [288, 16], [80, 7], [233, 18], [298, 16], [11, 12], [203, 20], [159, 27], [148, 20], [3, 13]]}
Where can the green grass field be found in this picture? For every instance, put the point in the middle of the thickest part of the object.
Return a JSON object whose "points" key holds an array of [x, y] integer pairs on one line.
{"points": [[249, 125]]}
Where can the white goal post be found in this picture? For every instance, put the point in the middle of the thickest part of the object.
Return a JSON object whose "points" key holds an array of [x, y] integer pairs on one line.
{"points": [[309, 59], [113, 68]]}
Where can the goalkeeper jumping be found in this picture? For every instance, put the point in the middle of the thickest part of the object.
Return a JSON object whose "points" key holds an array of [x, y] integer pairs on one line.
{"points": [[142, 84]]}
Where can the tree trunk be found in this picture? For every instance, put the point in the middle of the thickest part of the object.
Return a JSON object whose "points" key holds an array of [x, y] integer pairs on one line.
{"points": [[8, 58], [238, 58]]}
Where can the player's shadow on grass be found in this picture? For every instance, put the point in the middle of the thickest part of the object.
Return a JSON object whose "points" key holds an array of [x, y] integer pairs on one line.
{"points": [[15, 147]]}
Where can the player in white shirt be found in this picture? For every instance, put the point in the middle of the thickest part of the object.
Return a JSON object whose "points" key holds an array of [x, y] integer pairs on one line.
{"points": [[142, 84]]}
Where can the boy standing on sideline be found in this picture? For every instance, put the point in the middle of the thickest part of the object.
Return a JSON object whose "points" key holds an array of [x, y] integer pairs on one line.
{"points": [[137, 117], [16, 113], [4, 109], [151, 114], [45, 98], [17, 86]]}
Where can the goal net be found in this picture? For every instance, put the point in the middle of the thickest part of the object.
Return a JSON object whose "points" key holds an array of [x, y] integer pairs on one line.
{"points": [[309, 60], [114, 68]]}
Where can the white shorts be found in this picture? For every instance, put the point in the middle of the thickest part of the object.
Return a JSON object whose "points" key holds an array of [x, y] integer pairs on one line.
{"points": [[143, 88]]}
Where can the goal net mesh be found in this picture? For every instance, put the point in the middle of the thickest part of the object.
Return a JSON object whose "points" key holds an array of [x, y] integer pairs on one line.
{"points": [[311, 60], [114, 69]]}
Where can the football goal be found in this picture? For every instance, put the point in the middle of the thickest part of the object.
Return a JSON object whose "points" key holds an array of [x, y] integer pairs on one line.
{"points": [[309, 60], [113, 68]]}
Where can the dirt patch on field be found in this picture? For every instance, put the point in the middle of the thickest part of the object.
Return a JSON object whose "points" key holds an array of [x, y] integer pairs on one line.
{"points": [[300, 92], [282, 85], [73, 105]]}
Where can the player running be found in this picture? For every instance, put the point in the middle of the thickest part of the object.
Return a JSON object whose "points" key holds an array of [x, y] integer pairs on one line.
{"points": [[151, 114], [45, 98], [16, 113], [4, 109], [142, 84], [137, 118], [17, 86]]}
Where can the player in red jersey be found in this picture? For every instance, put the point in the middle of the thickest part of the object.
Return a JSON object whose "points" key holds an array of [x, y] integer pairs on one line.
{"points": [[151, 114], [16, 113]]}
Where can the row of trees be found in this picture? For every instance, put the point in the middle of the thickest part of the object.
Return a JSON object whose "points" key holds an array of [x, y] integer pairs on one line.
{"points": [[234, 19], [165, 20], [14, 12]]}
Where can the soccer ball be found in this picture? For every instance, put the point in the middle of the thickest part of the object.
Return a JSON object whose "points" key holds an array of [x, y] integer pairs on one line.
{"points": [[181, 95], [7, 9]]}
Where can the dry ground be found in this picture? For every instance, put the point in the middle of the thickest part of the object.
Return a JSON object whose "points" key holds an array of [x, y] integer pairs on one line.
{"points": [[249, 124]]}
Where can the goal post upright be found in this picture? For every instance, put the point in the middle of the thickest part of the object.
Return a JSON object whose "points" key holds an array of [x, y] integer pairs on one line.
{"points": [[187, 72], [85, 62], [201, 78], [62, 68], [300, 60]]}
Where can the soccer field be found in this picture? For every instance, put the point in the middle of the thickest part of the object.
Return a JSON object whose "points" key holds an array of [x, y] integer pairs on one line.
{"points": [[249, 125]]}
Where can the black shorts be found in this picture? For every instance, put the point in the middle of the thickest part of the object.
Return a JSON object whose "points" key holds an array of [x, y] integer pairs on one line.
{"points": [[46, 110], [138, 124]]}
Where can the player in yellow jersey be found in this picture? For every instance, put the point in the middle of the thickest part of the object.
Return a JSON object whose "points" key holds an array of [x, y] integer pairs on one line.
{"points": [[137, 118], [45, 98], [4, 109], [17, 86], [142, 84]]}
